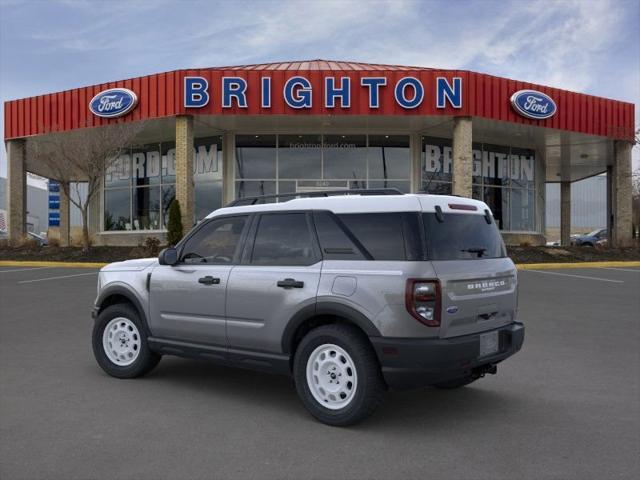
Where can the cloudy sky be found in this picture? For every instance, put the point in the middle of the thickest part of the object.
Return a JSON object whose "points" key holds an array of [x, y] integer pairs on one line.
{"points": [[582, 45]]}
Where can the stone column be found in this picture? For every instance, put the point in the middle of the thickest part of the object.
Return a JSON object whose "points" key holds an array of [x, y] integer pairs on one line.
{"points": [[65, 216], [621, 184], [228, 167], [184, 170], [565, 213], [16, 191], [415, 147], [462, 156]]}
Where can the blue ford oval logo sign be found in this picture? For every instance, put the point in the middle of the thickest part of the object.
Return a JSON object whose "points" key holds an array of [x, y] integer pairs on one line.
{"points": [[452, 309], [533, 104], [114, 102]]}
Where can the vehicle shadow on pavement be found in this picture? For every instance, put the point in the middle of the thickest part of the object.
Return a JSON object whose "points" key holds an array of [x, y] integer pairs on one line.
{"points": [[404, 411]]}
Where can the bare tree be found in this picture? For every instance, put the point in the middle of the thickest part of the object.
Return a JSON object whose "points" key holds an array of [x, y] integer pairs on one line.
{"points": [[82, 156]]}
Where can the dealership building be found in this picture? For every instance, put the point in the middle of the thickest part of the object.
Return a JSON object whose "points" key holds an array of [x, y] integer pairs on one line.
{"points": [[209, 136]]}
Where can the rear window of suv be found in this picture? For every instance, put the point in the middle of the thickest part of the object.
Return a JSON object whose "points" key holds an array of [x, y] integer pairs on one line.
{"points": [[461, 236]]}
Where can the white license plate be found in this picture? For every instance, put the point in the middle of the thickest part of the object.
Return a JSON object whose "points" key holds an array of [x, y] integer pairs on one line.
{"points": [[488, 344]]}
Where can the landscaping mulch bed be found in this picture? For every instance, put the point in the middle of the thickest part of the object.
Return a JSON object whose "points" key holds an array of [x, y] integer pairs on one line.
{"points": [[114, 254], [572, 254]]}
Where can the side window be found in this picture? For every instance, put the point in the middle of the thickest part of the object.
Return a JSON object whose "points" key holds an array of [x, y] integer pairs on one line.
{"points": [[386, 236], [284, 239], [216, 242], [334, 242]]}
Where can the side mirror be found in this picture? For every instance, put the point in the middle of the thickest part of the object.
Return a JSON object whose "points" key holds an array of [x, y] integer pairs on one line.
{"points": [[168, 256]]}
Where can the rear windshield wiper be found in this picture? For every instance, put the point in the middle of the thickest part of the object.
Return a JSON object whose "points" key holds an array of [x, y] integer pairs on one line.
{"points": [[479, 251]]}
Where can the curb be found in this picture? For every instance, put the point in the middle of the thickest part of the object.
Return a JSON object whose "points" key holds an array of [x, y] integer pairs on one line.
{"points": [[548, 266], [27, 263], [519, 266]]}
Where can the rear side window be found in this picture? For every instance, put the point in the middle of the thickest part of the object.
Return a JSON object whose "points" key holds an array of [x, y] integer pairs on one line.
{"points": [[284, 239], [462, 237], [335, 241], [385, 236]]}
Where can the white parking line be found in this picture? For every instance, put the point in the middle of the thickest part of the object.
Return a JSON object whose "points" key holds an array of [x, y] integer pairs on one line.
{"points": [[24, 269], [576, 276], [621, 269], [57, 278]]}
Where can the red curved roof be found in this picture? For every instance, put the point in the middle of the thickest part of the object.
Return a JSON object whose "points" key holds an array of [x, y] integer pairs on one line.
{"points": [[160, 95]]}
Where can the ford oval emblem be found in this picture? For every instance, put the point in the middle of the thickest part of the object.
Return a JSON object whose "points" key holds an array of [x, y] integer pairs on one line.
{"points": [[452, 309], [533, 104], [114, 102]]}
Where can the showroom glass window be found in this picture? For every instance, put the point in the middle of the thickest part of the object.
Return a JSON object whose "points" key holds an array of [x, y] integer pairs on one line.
{"points": [[270, 164], [140, 185], [503, 177]]}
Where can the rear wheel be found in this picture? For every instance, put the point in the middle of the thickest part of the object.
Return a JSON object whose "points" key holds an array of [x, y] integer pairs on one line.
{"points": [[120, 344], [337, 375]]}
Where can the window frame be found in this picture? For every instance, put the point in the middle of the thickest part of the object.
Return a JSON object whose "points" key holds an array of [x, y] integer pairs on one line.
{"points": [[239, 248]]}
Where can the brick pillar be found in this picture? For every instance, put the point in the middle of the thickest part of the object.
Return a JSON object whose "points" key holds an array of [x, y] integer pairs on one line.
{"points": [[16, 191], [462, 156], [621, 184], [565, 213], [228, 167], [184, 170], [415, 147], [65, 218]]}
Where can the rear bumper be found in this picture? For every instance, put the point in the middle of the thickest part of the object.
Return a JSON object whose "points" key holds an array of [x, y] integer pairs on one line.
{"points": [[411, 362]]}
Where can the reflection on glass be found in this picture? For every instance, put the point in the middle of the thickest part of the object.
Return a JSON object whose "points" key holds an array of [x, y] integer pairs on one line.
{"points": [[168, 162], [522, 166], [436, 160], [522, 209], [402, 185], [497, 200], [146, 164], [118, 173], [389, 157], [495, 165], [345, 156], [146, 208], [207, 161], [300, 156], [168, 194], [255, 188], [208, 198], [117, 215], [436, 188], [256, 156]]}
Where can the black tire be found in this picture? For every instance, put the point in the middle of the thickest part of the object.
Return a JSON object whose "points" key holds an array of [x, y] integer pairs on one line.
{"points": [[146, 360], [370, 386], [457, 383]]}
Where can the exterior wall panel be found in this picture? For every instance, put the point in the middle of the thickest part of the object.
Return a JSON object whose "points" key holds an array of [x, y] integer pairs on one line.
{"points": [[161, 95]]}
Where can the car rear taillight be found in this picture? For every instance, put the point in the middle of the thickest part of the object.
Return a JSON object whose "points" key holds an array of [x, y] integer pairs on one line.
{"points": [[422, 298]]}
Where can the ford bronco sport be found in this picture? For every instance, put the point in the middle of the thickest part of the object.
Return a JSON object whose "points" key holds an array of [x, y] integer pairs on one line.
{"points": [[350, 294]]}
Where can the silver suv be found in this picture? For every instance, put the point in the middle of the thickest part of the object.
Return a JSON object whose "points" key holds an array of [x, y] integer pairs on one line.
{"points": [[349, 294]]}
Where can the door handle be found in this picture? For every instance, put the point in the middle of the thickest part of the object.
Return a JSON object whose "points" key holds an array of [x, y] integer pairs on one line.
{"points": [[290, 283], [209, 280]]}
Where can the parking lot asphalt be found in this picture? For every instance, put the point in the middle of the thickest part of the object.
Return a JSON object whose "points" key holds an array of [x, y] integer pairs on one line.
{"points": [[567, 406]]}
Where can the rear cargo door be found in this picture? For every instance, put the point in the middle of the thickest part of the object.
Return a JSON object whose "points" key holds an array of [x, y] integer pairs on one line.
{"points": [[478, 282]]}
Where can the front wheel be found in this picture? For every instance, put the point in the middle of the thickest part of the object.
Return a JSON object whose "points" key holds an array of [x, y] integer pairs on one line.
{"points": [[337, 375], [120, 344]]}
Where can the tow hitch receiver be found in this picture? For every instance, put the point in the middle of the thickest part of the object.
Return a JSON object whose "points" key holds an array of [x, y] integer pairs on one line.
{"points": [[483, 370]]}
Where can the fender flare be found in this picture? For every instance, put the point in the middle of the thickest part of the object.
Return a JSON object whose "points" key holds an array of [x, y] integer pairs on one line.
{"points": [[326, 308], [129, 295]]}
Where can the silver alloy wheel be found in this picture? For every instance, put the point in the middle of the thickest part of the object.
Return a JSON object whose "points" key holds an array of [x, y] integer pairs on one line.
{"points": [[121, 341], [331, 376]]}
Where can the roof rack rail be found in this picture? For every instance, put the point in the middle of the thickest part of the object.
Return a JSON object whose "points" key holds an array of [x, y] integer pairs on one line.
{"points": [[245, 201]]}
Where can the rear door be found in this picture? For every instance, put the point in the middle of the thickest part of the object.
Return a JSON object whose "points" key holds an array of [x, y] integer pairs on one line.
{"points": [[478, 282], [278, 277], [187, 300]]}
